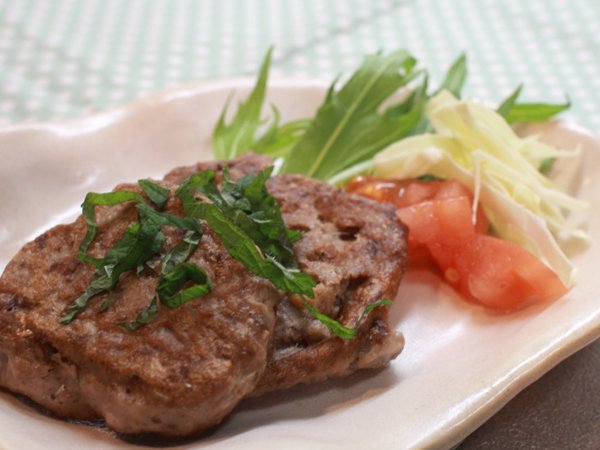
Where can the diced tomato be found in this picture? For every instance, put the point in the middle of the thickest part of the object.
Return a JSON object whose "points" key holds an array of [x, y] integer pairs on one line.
{"points": [[439, 216], [503, 275]]}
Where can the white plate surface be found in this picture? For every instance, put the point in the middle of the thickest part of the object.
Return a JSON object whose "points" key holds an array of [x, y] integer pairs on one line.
{"points": [[460, 365]]}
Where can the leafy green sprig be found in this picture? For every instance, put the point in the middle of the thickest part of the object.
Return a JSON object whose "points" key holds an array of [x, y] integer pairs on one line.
{"points": [[349, 127], [528, 112]]}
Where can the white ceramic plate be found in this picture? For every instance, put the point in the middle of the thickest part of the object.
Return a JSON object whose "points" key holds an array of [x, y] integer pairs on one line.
{"points": [[461, 363]]}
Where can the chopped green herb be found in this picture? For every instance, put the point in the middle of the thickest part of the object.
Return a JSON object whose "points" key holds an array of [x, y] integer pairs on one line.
{"points": [[248, 221], [159, 219], [170, 285], [155, 192], [139, 243], [336, 327], [92, 200], [181, 252], [144, 317], [170, 262], [142, 240]]}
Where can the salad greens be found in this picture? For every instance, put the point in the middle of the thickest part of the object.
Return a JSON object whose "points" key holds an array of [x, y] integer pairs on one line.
{"points": [[234, 139], [475, 145], [456, 77], [348, 127], [384, 121], [381, 103]]}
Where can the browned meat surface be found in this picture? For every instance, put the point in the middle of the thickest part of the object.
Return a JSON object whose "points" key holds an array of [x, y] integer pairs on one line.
{"points": [[188, 368], [356, 250], [178, 375]]}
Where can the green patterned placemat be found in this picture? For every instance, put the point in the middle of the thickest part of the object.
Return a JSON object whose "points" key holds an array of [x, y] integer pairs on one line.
{"points": [[66, 58]]}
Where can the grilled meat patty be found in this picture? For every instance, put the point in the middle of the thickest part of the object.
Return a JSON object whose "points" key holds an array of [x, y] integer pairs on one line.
{"points": [[180, 374], [356, 251], [187, 369]]}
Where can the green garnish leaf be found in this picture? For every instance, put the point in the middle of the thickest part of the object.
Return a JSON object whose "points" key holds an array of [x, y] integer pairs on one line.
{"points": [[429, 177], [529, 112], [336, 327], [248, 222], [453, 81], [142, 240], [233, 139], [546, 165], [92, 200], [169, 263], [535, 112], [508, 104], [159, 219], [348, 128], [181, 252], [105, 304], [143, 318], [139, 243], [155, 192], [277, 141], [455, 77], [170, 285]]}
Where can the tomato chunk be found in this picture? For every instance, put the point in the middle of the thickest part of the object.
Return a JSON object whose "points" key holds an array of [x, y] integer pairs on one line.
{"points": [[439, 215], [503, 275]]}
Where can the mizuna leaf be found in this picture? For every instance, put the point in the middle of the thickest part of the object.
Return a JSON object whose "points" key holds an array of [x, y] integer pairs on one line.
{"points": [[455, 77], [528, 112], [535, 112], [233, 139], [338, 130], [509, 102]]}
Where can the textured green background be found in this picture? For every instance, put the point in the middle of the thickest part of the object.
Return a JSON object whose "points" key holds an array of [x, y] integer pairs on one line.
{"points": [[66, 58]]}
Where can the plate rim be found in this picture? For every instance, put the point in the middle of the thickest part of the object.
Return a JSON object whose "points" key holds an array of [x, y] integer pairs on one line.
{"points": [[528, 373]]}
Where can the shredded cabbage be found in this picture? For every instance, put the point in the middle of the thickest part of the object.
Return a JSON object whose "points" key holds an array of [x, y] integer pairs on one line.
{"points": [[476, 146]]}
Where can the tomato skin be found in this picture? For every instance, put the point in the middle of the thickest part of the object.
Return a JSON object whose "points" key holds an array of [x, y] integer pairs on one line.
{"points": [[484, 269], [504, 276]]}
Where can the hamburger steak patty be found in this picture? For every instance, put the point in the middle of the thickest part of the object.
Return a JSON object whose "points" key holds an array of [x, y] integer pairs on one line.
{"points": [[356, 251], [187, 369], [180, 374]]}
